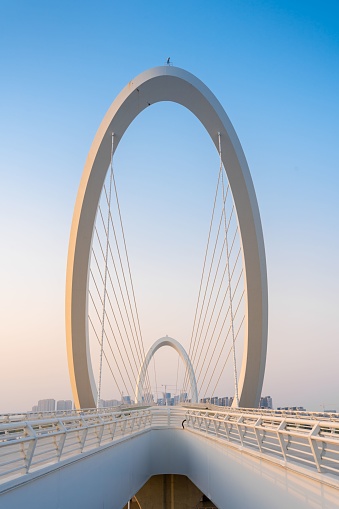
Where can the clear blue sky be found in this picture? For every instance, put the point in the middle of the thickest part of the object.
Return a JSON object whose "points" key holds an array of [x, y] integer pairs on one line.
{"points": [[274, 66]]}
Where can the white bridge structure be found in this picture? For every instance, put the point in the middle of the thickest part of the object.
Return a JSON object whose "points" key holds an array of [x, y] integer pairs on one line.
{"points": [[236, 457]]}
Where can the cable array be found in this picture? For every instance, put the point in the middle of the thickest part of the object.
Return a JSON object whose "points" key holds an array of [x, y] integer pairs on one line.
{"points": [[113, 319], [116, 342], [220, 309]]}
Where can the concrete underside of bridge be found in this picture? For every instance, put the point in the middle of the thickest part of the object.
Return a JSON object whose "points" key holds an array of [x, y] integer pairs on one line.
{"points": [[112, 475]]}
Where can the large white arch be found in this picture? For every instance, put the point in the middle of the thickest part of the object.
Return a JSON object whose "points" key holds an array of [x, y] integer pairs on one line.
{"points": [[166, 84], [166, 341]]}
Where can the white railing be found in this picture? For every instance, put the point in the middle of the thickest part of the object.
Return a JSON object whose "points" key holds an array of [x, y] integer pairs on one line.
{"points": [[32, 444], [294, 440], [295, 414], [34, 416]]}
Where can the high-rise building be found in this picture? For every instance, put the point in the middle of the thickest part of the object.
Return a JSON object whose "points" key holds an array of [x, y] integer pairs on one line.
{"points": [[108, 403], [183, 397], [64, 405], [223, 401], [292, 408], [46, 405], [147, 398], [266, 402]]}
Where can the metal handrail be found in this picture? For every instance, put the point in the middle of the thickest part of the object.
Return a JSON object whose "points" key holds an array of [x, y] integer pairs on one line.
{"points": [[26, 446], [29, 445], [33, 416], [301, 440], [300, 414]]}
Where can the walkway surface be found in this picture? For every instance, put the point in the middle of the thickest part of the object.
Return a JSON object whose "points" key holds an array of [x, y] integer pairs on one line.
{"points": [[280, 458]]}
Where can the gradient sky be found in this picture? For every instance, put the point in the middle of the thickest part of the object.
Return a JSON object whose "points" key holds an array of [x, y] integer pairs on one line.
{"points": [[273, 65]]}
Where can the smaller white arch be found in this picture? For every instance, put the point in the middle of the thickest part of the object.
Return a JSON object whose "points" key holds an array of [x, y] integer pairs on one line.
{"points": [[166, 341]]}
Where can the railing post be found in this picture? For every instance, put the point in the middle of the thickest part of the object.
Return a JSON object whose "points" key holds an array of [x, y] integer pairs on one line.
{"points": [[101, 430], [281, 439], [216, 426], [226, 428], [200, 421], [132, 423], [257, 433], [62, 439], [187, 416], [314, 447], [123, 427], [207, 422], [84, 435], [239, 421], [114, 425], [31, 447]]}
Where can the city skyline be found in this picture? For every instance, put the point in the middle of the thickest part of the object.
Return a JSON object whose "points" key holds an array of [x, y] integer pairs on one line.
{"points": [[274, 70]]}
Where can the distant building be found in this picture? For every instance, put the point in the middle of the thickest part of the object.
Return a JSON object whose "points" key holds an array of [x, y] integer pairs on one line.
{"points": [[35, 408], [112, 402], [183, 397], [108, 403], [224, 401], [266, 402], [46, 405], [63, 404], [292, 408], [126, 400], [167, 400], [147, 398]]}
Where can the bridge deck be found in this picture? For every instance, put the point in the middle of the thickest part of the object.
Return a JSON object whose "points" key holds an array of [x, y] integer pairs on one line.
{"points": [[36, 442]]}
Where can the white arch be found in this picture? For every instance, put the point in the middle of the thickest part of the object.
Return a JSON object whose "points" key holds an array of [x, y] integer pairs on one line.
{"points": [[166, 341], [176, 85]]}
